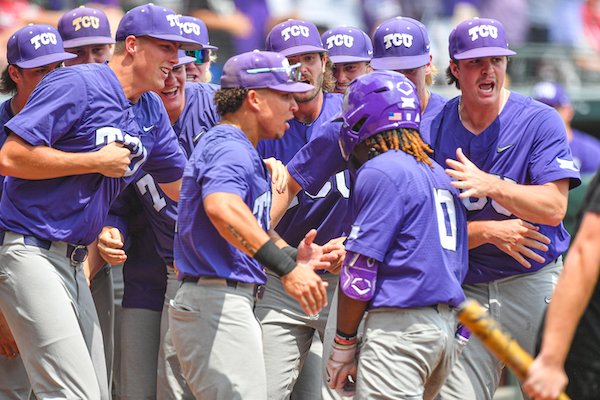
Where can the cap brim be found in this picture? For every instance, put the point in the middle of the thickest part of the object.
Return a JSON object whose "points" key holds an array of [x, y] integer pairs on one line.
{"points": [[484, 52], [85, 41], [210, 47], [46, 60], [398, 63], [347, 59], [292, 87], [186, 44], [291, 51], [185, 60]]}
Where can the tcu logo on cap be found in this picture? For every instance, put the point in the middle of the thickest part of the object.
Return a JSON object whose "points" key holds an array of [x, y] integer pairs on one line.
{"points": [[483, 31], [190, 27], [86, 22], [339, 40], [398, 39], [43, 39], [295, 30], [173, 20]]}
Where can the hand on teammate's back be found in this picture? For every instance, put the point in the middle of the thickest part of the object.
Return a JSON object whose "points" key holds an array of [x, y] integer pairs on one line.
{"points": [[113, 160], [279, 175], [518, 239]]}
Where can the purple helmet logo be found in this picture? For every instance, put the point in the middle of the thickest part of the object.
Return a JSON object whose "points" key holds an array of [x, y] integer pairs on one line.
{"points": [[377, 102]]}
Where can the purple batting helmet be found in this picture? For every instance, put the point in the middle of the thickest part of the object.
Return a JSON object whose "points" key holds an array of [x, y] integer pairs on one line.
{"points": [[377, 102]]}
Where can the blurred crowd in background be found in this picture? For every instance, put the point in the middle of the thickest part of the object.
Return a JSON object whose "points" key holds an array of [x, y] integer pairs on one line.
{"points": [[237, 26]]}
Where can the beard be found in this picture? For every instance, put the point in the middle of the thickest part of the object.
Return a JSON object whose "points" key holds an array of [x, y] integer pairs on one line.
{"points": [[310, 96]]}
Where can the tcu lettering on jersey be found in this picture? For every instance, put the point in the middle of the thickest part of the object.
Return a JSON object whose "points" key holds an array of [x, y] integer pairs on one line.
{"points": [[294, 30], [109, 134], [43, 39], [339, 41], [397, 39], [86, 22], [262, 210], [483, 31], [190, 27]]}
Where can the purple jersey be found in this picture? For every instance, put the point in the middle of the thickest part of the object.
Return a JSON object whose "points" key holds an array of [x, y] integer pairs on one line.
{"points": [[586, 152], [407, 216], [223, 161], [324, 208], [5, 115], [526, 144], [323, 150], [198, 116], [81, 109]]}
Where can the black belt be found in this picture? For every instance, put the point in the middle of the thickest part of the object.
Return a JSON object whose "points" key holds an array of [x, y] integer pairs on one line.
{"points": [[194, 279], [259, 290], [75, 253]]}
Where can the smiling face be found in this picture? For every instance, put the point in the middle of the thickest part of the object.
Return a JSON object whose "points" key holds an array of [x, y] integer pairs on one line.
{"points": [[94, 53], [154, 59], [312, 69], [173, 94], [197, 72], [481, 79], [344, 73]]}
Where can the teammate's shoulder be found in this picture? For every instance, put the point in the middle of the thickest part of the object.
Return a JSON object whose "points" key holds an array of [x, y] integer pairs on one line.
{"points": [[333, 98], [201, 87]]}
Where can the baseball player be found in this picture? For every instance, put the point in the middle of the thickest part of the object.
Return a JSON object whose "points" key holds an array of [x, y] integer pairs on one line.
{"points": [[62, 142], [510, 157], [406, 253], [86, 33], [195, 29], [221, 234], [26, 68], [287, 331], [350, 51]]}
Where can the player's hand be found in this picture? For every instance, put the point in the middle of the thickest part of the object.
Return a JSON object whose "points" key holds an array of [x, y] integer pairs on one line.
{"points": [[312, 254], [472, 181], [279, 174], [110, 246], [8, 346], [334, 252], [518, 239], [340, 366], [113, 160], [304, 285], [545, 381]]}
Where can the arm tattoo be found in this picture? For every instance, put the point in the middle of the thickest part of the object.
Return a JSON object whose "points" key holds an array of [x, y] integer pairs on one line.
{"points": [[249, 248]]}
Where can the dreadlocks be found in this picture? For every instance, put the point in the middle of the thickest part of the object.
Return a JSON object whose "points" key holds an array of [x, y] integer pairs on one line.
{"points": [[405, 139]]}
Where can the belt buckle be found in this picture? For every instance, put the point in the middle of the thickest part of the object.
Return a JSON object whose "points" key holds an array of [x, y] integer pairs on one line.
{"points": [[79, 254], [259, 292]]}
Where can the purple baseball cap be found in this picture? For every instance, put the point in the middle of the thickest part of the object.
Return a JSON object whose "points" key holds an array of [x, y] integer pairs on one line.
{"points": [[84, 26], [347, 44], [550, 93], [156, 22], [478, 37], [261, 69], [183, 59], [195, 29], [35, 46], [295, 37], [400, 43]]}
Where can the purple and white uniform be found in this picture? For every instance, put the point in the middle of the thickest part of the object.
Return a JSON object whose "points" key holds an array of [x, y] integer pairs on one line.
{"points": [[223, 161], [323, 208], [5, 115], [540, 156], [408, 217], [83, 108]]}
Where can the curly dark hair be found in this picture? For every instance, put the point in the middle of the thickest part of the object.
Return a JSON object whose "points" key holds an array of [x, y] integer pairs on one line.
{"points": [[7, 85], [229, 100], [405, 139]]}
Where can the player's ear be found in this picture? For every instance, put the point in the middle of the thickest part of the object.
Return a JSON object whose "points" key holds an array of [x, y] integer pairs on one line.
{"points": [[454, 68], [254, 100], [131, 43], [14, 72]]}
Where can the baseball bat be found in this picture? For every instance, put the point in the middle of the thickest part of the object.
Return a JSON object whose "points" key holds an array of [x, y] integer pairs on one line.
{"points": [[472, 315]]}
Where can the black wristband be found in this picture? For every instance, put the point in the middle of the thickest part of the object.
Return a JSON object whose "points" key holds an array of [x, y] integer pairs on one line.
{"points": [[345, 335], [274, 258], [291, 251]]}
